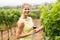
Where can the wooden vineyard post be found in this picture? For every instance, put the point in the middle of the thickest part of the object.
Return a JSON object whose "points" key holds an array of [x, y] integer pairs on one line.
{"points": [[1, 34], [8, 33]]}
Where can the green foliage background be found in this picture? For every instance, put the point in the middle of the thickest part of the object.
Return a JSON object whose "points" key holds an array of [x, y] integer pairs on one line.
{"points": [[50, 19]]}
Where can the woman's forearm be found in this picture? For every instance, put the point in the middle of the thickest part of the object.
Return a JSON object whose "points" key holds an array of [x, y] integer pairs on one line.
{"points": [[25, 34], [30, 33], [38, 29], [22, 35]]}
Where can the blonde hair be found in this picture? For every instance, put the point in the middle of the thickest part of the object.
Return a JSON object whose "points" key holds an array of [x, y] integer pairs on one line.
{"points": [[24, 5]]}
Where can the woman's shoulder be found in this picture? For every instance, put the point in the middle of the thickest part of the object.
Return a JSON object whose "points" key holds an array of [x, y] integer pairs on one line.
{"points": [[20, 20]]}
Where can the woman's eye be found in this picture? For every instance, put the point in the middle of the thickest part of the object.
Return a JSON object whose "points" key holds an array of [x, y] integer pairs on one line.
{"points": [[28, 9], [25, 9]]}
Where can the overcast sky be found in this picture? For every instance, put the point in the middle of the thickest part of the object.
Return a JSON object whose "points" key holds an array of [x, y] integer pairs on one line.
{"points": [[19, 2]]}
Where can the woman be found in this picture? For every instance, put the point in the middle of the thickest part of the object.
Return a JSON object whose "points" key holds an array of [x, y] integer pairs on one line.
{"points": [[25, 25]]}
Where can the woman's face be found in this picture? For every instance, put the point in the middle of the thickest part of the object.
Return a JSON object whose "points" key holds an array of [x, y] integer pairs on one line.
{"points": [[26, 9]]}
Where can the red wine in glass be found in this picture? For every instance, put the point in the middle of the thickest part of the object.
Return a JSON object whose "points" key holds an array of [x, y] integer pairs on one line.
{"points": [[34, 27]]}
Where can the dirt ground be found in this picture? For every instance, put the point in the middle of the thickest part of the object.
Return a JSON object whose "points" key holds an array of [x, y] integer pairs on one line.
{"points": [[12, 36]]}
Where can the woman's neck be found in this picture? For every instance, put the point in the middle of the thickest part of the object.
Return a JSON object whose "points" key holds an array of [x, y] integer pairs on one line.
{"points": [[24, 16]]}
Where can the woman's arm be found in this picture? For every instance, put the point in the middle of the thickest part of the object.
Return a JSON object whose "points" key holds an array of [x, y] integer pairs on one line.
{"points": [[39, 29], [20, 29]]}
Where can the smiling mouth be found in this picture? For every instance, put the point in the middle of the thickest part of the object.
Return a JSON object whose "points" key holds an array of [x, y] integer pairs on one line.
{"points": [[26, 12]]}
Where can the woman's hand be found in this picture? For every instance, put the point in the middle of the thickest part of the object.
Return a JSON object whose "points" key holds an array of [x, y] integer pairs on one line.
{"points": [[39, 29], [32, 32]]}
